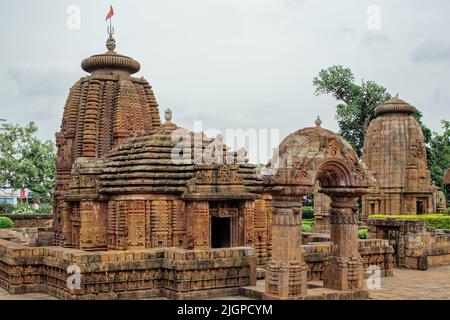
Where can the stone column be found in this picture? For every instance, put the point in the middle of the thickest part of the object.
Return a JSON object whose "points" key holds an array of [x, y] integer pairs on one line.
{"points": [[286, 272], [198, 225], [344, 270], [66, 213], [249, 223], [321, 212]]}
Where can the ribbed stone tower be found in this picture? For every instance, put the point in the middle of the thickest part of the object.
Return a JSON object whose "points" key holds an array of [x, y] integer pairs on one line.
{"points": [[102, 110], [394, 151]]}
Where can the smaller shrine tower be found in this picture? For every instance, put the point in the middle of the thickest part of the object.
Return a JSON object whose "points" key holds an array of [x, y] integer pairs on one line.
{"points": [[394, 150]]}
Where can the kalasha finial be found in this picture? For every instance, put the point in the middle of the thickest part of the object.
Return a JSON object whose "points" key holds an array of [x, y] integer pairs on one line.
{"points": [[396, 95], [111, 43], [168, 115], [318, 122]]}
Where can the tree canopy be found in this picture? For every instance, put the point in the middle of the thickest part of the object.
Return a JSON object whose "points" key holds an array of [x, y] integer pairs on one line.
{"points": [[355, 111], [357, 103], [26, 161], [439, 156]]}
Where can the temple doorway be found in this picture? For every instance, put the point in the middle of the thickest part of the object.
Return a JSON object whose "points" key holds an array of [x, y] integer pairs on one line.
{"points": [[220, 232], [372, 208], [420, 207]]}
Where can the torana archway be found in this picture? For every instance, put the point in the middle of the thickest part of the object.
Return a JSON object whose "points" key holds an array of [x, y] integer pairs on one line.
{"points": [[307, 156]]}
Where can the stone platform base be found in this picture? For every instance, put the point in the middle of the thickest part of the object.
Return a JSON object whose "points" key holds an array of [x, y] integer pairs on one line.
{"points": [[134, 274], [314, 292]]}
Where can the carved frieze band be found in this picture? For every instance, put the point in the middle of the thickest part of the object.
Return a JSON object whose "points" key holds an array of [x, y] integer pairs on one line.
{"points": [[286, 220], [344, 219]]}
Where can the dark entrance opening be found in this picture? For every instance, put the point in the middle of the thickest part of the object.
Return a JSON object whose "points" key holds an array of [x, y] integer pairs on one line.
{"points": [[393, 237], [220, 232], [372, 208], [420, 207]]}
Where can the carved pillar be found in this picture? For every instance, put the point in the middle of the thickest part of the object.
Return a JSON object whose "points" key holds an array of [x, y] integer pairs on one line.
{"points": [[286, 273], [344, 270], [263, 228], [67, 225], [92, 225], [249, 223], [178, 224], [136, 224], [161, 226], [198, 225], [321, 212]]}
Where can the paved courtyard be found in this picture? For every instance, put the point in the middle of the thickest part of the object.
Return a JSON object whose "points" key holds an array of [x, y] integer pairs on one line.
{"points": [[433, 284], [29, 296]]}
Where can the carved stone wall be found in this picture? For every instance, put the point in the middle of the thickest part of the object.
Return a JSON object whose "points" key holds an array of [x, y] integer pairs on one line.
{"points": [[198, 225], [262, 229], [373, 253], [172, 273], [416, 247]]}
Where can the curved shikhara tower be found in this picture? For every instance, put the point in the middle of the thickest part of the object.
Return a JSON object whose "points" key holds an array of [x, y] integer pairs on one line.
{"points": [[102, 110], [394, 151]]}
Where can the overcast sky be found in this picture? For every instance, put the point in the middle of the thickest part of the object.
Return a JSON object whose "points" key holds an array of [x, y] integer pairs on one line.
{"points": [[231, 63]]}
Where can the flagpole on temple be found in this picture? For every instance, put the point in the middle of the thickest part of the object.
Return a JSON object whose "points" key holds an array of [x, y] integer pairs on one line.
{"points": [[110, 43], [109, 16]]}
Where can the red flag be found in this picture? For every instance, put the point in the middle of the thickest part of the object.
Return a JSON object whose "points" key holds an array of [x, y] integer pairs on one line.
{"points": [[110, 13]]}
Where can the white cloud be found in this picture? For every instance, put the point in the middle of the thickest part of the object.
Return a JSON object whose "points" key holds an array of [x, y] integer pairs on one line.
{"points": [[432, 50], [232, 63]]}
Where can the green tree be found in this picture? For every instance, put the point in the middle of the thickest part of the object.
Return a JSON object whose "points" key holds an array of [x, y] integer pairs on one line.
{"points": [[439, 156], [357, 103], [25, 161]]}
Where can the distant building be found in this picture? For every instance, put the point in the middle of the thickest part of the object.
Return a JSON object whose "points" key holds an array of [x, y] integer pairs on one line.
{"points": [[13, 196]]}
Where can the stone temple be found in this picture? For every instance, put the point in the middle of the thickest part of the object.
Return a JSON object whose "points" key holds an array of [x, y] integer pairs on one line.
{"points": [[394, 151], [119, 194], [139, 197]]}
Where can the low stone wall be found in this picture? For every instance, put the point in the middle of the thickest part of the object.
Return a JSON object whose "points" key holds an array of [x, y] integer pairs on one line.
{"points": [[172, 273], [438, 249], [373, 252], [32, 237], [418, 247], [29, 220]]}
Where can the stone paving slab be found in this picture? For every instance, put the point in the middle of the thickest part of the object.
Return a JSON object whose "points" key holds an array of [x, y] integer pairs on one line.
{"points": [[4, 295], [433, 284]]}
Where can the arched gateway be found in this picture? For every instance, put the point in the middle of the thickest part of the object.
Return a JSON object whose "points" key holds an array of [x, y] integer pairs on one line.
{"points": [[307, 156]]}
